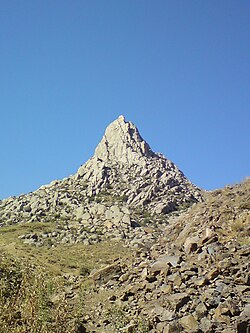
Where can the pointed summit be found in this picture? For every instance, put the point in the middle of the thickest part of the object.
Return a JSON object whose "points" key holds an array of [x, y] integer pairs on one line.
{"points": [[124, 178], [125, 163], [122, 143]]}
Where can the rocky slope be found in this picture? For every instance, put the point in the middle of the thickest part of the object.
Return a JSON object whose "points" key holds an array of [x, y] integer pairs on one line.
{"points": [[194, 278]]}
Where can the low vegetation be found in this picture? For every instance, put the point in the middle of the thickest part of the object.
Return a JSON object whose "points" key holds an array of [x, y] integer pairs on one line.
{"points": [[32, 300], [34, 281], [62, 258]]}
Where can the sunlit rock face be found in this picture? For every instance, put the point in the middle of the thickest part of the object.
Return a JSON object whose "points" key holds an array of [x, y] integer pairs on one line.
{"points": [[124, 161], [123, 143]]}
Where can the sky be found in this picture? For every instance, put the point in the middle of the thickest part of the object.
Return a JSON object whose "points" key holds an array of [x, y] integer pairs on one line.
{"points": [[178, 69]]}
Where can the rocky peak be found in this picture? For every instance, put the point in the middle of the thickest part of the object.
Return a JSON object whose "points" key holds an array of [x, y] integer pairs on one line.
{"points": [[123, 169], [125, 163], [122, 143]]}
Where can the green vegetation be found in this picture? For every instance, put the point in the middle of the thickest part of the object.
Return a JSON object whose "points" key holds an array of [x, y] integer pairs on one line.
{"points": [[18, 229], [37, 283], [226, 210]]}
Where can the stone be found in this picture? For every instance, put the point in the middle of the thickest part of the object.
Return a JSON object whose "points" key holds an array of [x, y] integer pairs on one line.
{"points": [[159, 266], [166, 289], [206, 325], [124, 172], [144, 273], [200, 310], [126, 219], [173, 327], [213, 273], [27, 208], [243, 322], [191, 244], [172, 260], [123, 142], [178, 300], [189, 323], [201, 281], [108, 224], [167, 315], [221, 314], [106, 273], [109, 215], [79, 212], [175, 274]]}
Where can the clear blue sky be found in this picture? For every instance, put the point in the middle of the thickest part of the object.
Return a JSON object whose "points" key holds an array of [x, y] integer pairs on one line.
{"points": [[179, 70]]}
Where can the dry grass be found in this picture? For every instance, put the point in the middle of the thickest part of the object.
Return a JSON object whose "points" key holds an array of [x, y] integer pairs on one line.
{"points": [[28, 302], [32, 286], [62, 258]]}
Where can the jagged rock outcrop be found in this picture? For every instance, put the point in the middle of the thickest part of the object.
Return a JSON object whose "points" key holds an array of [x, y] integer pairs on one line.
{"points": [[122, 143], [124, 162], [112, 193]]}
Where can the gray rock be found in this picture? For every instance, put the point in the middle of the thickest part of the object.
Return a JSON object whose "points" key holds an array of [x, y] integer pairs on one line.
{"points": [[172, 260]]}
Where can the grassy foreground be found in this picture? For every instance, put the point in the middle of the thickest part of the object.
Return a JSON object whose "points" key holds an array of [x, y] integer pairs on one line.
{"points": [[32, 300], [74, 259], [34, 281]]}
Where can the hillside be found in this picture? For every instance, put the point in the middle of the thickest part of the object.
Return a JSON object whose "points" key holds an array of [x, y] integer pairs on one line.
{"points": [[127, 244], [194, 278]]}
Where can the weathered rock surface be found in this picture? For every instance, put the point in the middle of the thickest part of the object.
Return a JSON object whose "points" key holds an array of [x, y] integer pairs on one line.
{"points": [[126, 163]]}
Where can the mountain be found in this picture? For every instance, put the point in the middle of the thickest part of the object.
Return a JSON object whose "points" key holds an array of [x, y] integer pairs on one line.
{"points": [[127, 244], [124, 183], [125, 161]]}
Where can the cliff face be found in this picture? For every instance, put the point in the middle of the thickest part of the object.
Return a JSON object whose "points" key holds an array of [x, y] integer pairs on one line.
{"points": [[126, 163], [122, 143]]}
